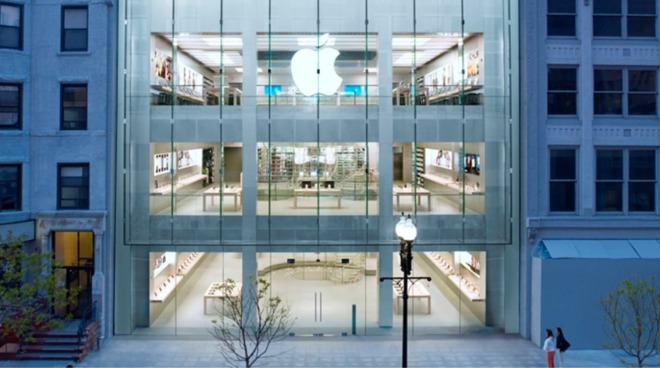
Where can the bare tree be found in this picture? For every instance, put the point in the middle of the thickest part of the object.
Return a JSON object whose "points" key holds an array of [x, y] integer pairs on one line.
{"points": [[632, 312], [249, 321]]}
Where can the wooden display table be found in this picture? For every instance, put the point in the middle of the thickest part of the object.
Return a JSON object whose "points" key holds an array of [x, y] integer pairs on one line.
{"points": [[314, 191], [416, 291], [215, 291], [215, 192], [408, 191]]}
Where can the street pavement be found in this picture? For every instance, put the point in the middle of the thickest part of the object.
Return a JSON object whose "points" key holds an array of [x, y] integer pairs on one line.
{"points": [[467, 350]]}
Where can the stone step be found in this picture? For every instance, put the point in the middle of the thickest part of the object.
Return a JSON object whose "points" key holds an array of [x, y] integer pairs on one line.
{"points": [[47, 355], [52, 348]]}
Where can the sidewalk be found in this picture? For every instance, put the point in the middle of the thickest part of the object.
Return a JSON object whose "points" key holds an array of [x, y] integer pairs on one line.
{"points": [[473, 350]]}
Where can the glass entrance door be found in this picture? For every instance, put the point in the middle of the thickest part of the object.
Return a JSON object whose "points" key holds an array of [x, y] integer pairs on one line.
{"points": [[74, 255], [326, 291]]}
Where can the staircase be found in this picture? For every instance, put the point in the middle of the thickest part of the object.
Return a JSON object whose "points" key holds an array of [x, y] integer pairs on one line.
{"points": [[73, 342]]}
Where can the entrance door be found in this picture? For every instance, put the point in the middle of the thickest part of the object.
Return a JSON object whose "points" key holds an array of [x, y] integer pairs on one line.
{"points": [[323, 289], [74, 255]]}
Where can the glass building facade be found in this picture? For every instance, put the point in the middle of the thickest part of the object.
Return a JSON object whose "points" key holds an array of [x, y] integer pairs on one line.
{"points": [[284, 139]]}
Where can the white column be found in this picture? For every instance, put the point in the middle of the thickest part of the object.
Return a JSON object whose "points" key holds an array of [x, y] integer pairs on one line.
{"points": [[385, 294]]}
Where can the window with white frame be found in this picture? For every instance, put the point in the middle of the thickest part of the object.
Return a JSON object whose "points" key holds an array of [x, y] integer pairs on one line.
{"points": [[562, 90], [74, 28], [631, 91], [626, 180], [563, 179], [10, 187], [10, 105], [11, 26], [561, 18], [73, 186], [624, 18]]}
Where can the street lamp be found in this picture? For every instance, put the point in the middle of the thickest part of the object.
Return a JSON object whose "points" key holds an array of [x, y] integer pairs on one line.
{"points": [[406, 231]]}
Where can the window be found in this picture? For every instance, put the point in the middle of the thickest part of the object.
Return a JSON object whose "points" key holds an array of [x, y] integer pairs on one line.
{"points": [[73, 186], [624, 18], [562, 91], [10, 187], [625, 91], [563, 180], [74, 107], [561, 17], [10, 106], [74, 28], [11, 26], [625, 179]]}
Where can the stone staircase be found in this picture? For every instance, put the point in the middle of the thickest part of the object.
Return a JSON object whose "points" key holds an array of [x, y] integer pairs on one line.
{"points": [[72, 342]]}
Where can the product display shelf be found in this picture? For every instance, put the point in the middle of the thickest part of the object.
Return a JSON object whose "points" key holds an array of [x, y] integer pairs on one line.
{"points": [[159, 293], [181, 182], [419, 165], [452, 184], [465, 286]]}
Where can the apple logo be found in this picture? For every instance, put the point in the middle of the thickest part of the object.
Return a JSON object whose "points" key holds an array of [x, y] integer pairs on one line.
{"points": [[304, 66]]}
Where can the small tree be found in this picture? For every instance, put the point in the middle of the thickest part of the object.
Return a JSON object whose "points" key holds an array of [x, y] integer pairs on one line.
{"points": [[249, 321], [28, 291], [632, 313]]}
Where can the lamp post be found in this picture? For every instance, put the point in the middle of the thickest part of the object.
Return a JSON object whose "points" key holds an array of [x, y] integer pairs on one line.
{"points": [[406, 231]]}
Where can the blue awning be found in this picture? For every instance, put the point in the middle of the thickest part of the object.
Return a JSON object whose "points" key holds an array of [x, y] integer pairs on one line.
{"points": [[603, 248]]}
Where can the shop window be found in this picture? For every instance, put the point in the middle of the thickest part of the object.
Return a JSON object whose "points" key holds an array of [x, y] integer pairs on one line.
{"points": [[625, 91], [10, 187], [11, 26], [561, 18], [563, 180], [74, 107], [74, 28], [10, 106], [624, 18], [73, 186], [626, 180], [562, 91]]}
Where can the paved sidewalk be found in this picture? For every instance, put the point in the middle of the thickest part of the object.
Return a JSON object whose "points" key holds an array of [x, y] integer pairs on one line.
{"points": [[473, 350]]}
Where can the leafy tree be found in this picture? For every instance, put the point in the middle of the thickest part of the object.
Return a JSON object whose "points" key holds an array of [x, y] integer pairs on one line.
{"points": [[632, 312], [28, 291], [249, 321]]}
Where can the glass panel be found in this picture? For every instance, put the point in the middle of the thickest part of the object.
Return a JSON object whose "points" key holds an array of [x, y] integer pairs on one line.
{"points": [[10, 187], [641, 26], [642, 104], [607, 26], [10, 97], [561, 6], [10, 37], [75, 18], [641, 197], [609, 197], [562, 103], [644, 7], [10, 15], [608, 80], [562, 196], [642, 165], [642, 80], [561, 25], [562, 164], [609, 165], [607, 6], [75, 40], [608, 103], [562, 79]]}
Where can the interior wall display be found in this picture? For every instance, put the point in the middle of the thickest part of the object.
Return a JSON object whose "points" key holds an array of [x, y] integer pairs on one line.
{"points": [[189, 81], [473, 68], [439, 158], [162, 163], [161, 64], [472, 163], [188, 158]]}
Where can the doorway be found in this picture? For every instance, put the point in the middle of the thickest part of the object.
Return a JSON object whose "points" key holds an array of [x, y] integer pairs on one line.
{"points": [[74, 255]]}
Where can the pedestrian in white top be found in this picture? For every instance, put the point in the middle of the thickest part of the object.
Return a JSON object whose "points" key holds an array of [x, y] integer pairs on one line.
{"points": [[549, 347]]}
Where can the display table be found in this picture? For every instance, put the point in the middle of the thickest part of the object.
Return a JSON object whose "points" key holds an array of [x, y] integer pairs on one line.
{"points": [[215, 192], [415, 291], [309, 181], [314, 191], [408, 191], [215, 291]]}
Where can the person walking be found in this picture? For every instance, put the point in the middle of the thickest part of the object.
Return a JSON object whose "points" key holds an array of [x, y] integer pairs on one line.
{"points": [[562, 345], [549, 347]]}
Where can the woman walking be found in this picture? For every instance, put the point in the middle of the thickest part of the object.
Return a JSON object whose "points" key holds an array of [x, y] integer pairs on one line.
{"points": [[549, 347]]}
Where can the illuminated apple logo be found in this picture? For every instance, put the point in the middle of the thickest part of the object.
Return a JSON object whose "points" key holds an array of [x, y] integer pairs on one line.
{"points": [[303, 69]]}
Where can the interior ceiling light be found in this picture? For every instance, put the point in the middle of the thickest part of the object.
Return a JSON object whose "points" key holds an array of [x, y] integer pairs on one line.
{"points": [[240, 70], [226, 41], [312, 41], [408, 41]]}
